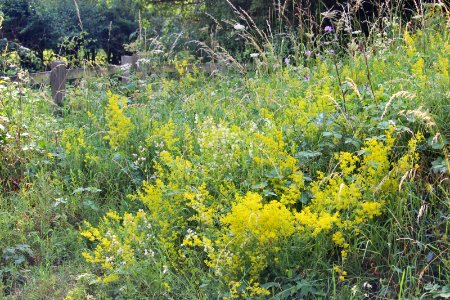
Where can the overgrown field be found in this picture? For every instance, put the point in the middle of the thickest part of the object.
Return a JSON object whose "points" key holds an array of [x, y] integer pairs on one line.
{"points": [[327, 179]]}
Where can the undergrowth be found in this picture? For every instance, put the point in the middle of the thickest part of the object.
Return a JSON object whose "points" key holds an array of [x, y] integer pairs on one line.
{"points": [[326, 178]]}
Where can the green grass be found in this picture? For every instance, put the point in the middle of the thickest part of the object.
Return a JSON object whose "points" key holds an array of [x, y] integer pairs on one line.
{"points": [[49, 189]]}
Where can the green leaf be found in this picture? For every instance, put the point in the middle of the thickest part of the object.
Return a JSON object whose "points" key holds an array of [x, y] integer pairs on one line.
{"points": [[384, 125], [440, 165], [91, 204], [274, 174], [269, 285], [305, 198], [88, 189], [260, 185], [355, 143], [308, 154], [19, 260], [361, 152], [92, 190], [333, 134], [268, 193]]}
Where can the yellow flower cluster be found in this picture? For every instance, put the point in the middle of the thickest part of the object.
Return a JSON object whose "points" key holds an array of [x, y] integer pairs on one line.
{"points": [[200, 201], [163, 137], [253, 233], [343, 202], [271, 156], [244, 236], [418, 68], [76, 146], [250, 219], [340, 273], [409, 43], [233, 184], [73, 141], [119, 126], [117, 240]]}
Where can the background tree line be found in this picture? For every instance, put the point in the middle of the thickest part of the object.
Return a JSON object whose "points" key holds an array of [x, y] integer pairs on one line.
{"points": [[79, 29]]}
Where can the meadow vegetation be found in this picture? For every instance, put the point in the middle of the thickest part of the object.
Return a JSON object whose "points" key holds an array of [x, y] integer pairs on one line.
{"points": [[322, 175]]}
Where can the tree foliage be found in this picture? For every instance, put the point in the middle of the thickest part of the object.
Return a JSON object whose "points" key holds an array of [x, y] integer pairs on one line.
{"points": [[68, 26], [80, 28]]}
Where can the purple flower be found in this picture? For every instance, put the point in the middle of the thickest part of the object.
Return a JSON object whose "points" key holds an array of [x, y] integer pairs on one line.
{"points": [[306, 78], [287, 60], [331, 51], [328, 29], [308, 52]]}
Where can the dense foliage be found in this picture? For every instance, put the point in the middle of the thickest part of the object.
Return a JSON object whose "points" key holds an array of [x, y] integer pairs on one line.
{"points": [[323, 174], [76, 30], [99, 31]]}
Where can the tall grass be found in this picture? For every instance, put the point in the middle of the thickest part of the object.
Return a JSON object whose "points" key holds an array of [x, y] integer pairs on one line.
{"points": [[243, 173]]}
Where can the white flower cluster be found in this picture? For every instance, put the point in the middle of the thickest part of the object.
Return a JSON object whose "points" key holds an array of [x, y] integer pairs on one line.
{"points": [[220, 142], [239, 27]]}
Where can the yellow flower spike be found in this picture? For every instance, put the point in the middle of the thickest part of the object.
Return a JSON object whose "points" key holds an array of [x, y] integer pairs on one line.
{"points": [[119, 125], [110, 278], [87, 256], [113, 216], [347, 162], [338, 238], [87, 234], [417, 69], [167, 286]]}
